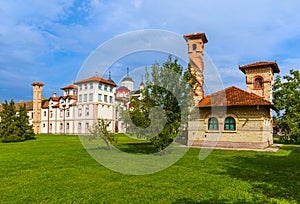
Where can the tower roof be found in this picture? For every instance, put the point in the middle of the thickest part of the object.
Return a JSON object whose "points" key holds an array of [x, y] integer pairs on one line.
{"points": [[37, 83], [127, 78], [273, 65], [72, 86], [196, 36]]}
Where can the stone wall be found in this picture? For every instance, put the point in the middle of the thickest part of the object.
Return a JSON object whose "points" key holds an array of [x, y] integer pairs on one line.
{"points": [[253, 128]]}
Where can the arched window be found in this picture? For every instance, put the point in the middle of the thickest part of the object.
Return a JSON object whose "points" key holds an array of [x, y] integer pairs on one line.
{"points": [[229, 123], [258, 83], [213, 124]]}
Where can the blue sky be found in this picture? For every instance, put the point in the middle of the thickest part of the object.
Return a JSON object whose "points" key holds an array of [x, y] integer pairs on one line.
{"points": [[48, 41]]}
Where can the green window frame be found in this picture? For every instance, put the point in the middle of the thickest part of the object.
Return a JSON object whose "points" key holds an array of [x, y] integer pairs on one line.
{"points": [[229, 124], [213, 124]]}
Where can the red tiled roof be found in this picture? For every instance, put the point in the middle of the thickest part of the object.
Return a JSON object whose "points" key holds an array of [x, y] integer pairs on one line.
{"points": [[273, 65], [195, 36], [37, 83], [72, 86], [233, 96], [54, 98], [96, 78], [45, 104]]}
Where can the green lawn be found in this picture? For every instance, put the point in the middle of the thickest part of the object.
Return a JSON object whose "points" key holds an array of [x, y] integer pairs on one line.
{"points": [[57, 169]]}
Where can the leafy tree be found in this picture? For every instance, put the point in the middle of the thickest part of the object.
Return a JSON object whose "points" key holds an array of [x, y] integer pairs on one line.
{"points": [[165, 105], [14, 126], [100, 129], [286, 99]]}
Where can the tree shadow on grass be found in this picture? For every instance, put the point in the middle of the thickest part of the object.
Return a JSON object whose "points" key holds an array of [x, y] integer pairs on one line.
{"points": [[273, 174], [137, 148]]}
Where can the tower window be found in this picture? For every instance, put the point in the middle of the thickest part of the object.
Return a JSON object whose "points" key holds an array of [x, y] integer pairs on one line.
{"points": [[194, 46], [229, 123], [213, 124], [258, 83]]}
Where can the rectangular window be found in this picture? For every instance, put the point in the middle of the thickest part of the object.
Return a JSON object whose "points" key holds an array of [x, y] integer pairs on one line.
{"points": [[79, 98], [68, 113], [68, 126], [85, 87], [61, 126], [51, 114], [111, 88], [44, 125], [100, 86], [105, 98], [91, 85], [79, 112], [45, 113], [87, 111], [105, 87], [90, 97], [111, 99], [99, 97], [79, 126], [86, 125], [80, 87], [61, 113], [85, 97]]}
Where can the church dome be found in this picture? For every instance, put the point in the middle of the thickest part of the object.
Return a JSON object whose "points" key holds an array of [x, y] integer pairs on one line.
{"points": [[127, 78]]}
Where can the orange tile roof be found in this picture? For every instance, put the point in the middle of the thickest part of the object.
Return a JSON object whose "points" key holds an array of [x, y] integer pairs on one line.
{"points": [[273, 65], [96, 78], [233, 96], [37, 83], [195, 36], [72, 86]]}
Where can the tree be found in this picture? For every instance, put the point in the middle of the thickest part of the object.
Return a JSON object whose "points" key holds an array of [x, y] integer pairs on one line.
{"points": [[286, 99], [99, 129], [165, 105], [14, 126]]}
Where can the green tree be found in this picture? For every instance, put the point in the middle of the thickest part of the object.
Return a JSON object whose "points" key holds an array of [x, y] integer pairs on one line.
{"points": [[100, 129], [165, 104], [286, 99], [8, 126], [25, 130]]}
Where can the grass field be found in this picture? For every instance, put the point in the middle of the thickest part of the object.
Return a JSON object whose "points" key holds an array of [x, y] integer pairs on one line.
{"points": [[57, 169]]}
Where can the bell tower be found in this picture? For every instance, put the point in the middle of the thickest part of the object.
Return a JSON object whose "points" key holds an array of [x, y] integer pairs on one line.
{"points": [[37, 106], [195, 42], [260, 78]]}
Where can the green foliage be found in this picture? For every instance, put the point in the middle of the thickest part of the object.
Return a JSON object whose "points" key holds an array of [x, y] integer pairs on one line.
{"points": [[14, 126], [286, 99], [165, 105], [100, 129]]}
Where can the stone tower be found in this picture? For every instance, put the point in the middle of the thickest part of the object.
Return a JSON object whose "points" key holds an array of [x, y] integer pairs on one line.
{"points": [[196, 43], [260, 77], [37, 106]]}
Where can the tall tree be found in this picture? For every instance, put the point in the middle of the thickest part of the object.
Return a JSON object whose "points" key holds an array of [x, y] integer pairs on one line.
{"points": [[165, 105], [14, 126], [286, 98]]}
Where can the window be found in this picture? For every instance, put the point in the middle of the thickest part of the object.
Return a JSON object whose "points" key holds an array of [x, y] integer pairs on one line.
{"points": [[105, 98], [85, 97], [61, 113], [99, 86], [68, 126], [45, 113], [87, 126], [258, 83], [44, 125], [80, 87], [111, 99], [90, 97], [80, 98], [50, 126], [229, 123], [87, 111], [51, 114], [91, 85], [79, 112], [105, 87], [61, 126], [68, 113], [194, 46], [79, 126], [111, 88], [85, 87], [213, 124], [99, 97]]}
